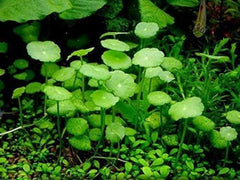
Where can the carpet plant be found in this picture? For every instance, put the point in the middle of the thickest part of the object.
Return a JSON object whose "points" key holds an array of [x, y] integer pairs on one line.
{"points": [[140, 109]]}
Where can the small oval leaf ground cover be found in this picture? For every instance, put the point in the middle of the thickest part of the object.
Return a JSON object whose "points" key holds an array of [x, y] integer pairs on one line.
{"points": [[115, 44], [95, 71], [77, 126], [22, 11], [115, 132], [190, 107], [121, 84], [158, 98], [63, 74], [116, 60], [146, 30], [57, 93], [82, 8], [233, 116], [45, 51], [203, 123], [148, 57], [228, 133], [104, 99], [81, 143]]}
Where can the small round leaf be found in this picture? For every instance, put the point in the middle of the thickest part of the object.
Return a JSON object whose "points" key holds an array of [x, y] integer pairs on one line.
{"points": [[20, 63], [81, 143], [57, 93], [228, 133], [158, 98], [115, 44], [77, 126], [233, 116], [203, 123], [146, 29], [18, 92], [33, 87], [95, 71], [63, 74]]}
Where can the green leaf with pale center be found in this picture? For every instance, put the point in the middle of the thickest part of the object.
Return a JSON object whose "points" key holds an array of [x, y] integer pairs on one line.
{"points": [[146, 30], [57, 93], [80, 52], [190, 107], [233, 116], [95, 71], [115, 45], [228, 133], [171, 64], [158, 98], [63, 74], [45, 51], [115, 132]]}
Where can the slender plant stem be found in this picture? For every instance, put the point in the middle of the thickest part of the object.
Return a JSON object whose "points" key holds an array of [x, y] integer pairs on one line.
{"points": [[118, 150], [180, 86], [59, 129], [111, 150], [226, 154], [15, 129], [108, 158], [20, 111], [113, 113], [75, 78], [45, 96], [182, 139]]}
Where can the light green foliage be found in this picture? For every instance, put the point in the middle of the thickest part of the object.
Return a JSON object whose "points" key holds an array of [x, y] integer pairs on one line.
{"points": [[81, 143], [233, 116], [82, 8], [18, 92], [77, 126], [28, 32], [121, 84], [217, 140], [184, 3], [170, 139], [2, 72], [151, 13], [95, 134], [33, 87], [48, 69], [146, 30], [80, 52], [45, 51], [63, 74], [203, 123], [57, 93], [115, 45], [95, 71], [155, 121], [148, 57], [104, 99], [190, 107], [228, 133], [20, 63], [158, 98], [22, 11], [116, 60], [153, 72], [171, 64], [115, 132], [65, 107]]}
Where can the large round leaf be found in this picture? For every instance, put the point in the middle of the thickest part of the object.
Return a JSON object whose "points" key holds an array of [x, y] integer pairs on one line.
{"points": [[115, 44], [228, 133], [57, 93], [81, 143], [116, 60], [45, 51], [121, 84], [66, 107], [148, 57], [95, 71], [146, 29], [190, 107], [63, 74], [115, 132], [77, 126], [233, 116], [104, 99], [158, 98]]}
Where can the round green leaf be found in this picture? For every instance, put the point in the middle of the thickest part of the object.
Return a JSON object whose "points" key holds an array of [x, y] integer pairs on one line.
{"points": [[171, 64], [115, 132], [63, 74], [20, 63], [48, 69], [65, 107], [121, 84], [80, 53], [190, 107], [166, 76], [154, 120], [18, 92], [153, 72], [203, 123], [21, 76], [2, 72], [45, 51], [148, 57], [95, 134], [158, 98], [33, 87], [116, 60], [228, 133], [104, 99], [95, 71], [81, 143], [146, 29], [115, 44], [57, 93], [233, 116], [3, 47], [217, 140], [77, 126]]}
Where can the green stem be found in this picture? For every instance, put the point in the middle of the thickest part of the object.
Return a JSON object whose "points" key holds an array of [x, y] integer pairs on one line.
{"points": [[59, 129], [111, 150], [141, 85], [20, 111], [182, 139], [103, 113], [118, 150], [150, 85], [180, 86], [75, 79], [226, 154], [113, 113]]}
